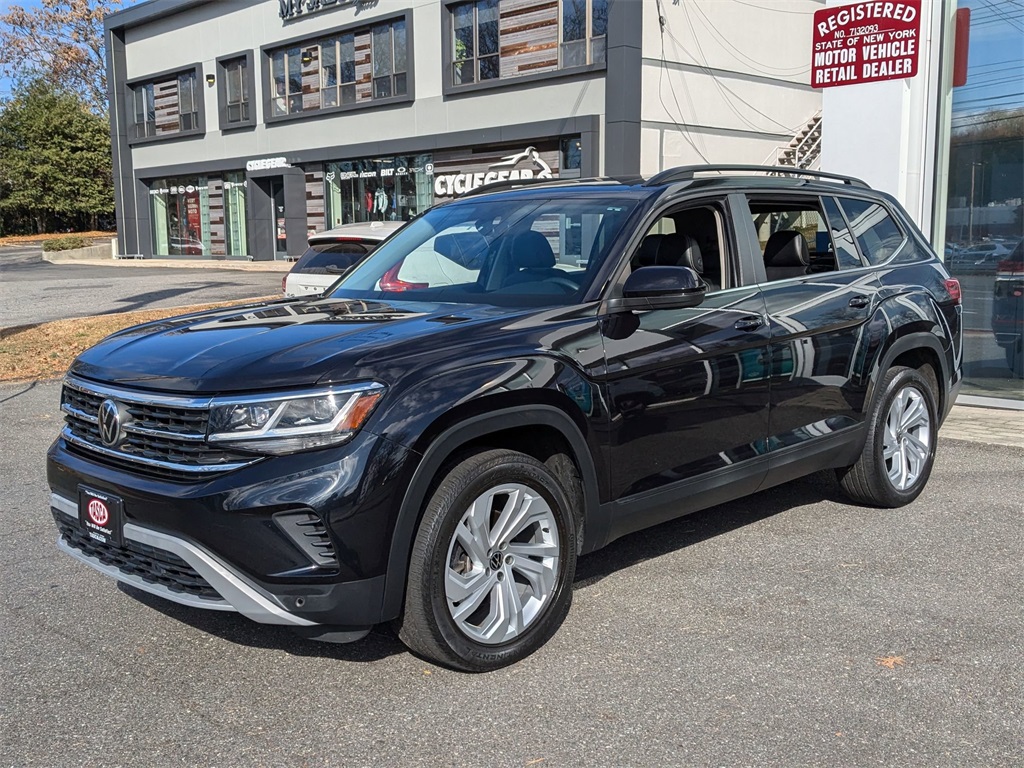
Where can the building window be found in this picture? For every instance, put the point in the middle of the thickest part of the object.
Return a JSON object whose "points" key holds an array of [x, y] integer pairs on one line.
{"points": [[338, 71], [378, 189], [181, 216], [390, 60], [584, 32], [286, 75], [145, 111], [347, 68], [572, 153], [166, 105], [475, 39], [188, 112], [236, 78]]}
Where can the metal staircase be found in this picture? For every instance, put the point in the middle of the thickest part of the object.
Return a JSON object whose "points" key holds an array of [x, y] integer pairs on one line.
{"points": [[804, 151]]}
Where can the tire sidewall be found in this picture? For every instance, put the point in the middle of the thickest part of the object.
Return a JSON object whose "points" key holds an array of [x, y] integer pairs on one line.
{"points": [[540, 480], [897, 381]]}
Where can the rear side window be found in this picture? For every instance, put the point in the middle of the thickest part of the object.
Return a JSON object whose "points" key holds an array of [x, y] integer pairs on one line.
{"points": [[877, 234], [332, 258], [842, 240]]}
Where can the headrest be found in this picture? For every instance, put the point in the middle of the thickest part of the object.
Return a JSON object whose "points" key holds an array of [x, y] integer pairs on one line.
{"points": [[786, 248], [648, 254], [464, 248], [531, 250], [680, 250]]}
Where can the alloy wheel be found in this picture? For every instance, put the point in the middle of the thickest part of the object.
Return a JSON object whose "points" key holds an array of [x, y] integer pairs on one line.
{"points": [[907, 444], [503, 564]]}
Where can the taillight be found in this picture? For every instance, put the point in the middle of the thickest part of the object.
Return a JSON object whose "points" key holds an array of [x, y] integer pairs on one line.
{"points": [[284, 284], [390, 281], [953, 286]]}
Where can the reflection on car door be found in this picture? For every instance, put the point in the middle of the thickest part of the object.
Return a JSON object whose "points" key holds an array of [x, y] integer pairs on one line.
{"points": [[688, 393], [819, 296]]}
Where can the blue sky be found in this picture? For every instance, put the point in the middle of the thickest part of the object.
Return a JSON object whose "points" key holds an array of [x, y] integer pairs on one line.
{"points": [[995, 63]]}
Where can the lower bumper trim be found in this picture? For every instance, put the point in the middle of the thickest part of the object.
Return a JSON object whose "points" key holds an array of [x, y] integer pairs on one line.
{"points": [[237, 593]]}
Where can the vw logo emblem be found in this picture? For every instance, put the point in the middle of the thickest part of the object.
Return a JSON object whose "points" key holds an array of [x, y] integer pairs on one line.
{"points": [[109, 423]]}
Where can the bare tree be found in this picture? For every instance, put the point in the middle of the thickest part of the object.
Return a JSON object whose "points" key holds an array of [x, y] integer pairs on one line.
{"points": [[62, 40]]}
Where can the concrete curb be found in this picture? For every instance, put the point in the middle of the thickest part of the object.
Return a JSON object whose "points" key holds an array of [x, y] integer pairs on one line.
{"points": [[242, 266]]}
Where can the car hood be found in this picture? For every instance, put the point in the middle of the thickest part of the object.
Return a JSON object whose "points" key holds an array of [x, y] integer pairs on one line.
{"points": [[283, 344]]}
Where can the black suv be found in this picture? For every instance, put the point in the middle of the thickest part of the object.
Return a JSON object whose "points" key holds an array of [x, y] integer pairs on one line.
{"points": [[514, 379]]}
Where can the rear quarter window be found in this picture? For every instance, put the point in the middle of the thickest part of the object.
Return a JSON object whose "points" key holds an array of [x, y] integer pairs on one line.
{"points": [[877, 233], [332, 258]]}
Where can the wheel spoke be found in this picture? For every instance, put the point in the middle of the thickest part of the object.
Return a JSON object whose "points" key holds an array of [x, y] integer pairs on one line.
{"points": [[475, 546], [519, 510], [458, 587], [915, 415], [917, 446], [538, 549], [469, 605], [903, 467], [513, 606], [540, 576]]}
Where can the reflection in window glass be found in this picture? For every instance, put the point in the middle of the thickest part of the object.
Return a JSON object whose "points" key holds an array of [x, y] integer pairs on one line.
{"points": [[984, 214], [876, 233], [842, 239]]}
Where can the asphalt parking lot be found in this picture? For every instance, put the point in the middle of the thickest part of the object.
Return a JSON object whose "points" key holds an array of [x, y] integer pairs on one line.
{"points": [[36, 291], [787, 629]]}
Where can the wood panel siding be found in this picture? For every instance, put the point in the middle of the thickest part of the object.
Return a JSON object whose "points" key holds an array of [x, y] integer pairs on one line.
{"points": [[315, 221], [165, 102], [528, 37], [364, 69], [218, 243]]}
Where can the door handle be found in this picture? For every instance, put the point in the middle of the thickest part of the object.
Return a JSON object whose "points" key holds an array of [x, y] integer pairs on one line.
{"points": [[859, 302], [751, 323]]}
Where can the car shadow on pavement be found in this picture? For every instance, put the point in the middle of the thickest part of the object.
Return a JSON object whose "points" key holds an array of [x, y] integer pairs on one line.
{"points": [[143, 300], [706, 524], [623, 553], [235, 628]]}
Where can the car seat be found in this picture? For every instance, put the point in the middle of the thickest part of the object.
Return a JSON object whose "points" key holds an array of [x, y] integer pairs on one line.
{"points": [[786, 255]]}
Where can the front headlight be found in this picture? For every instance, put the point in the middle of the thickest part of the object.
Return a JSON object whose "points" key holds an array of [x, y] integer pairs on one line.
{"points": [[286, 423]]}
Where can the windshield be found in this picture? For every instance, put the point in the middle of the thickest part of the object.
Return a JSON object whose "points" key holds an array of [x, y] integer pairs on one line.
{"points": [[512, 252]]}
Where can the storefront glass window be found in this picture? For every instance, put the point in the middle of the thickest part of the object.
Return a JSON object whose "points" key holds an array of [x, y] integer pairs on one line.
{"points": [[181, 216], [378, 189], [984, 204], [234, 207]]}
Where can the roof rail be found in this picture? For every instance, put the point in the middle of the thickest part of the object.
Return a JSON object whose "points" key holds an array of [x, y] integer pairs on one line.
{"points": [[687, 172]]}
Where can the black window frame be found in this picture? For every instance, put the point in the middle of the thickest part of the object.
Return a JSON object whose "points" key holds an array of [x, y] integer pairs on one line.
{"points": [[224, 63], [450, 90], [314, 43], [476, 59], [588, 37], [198, 105]]}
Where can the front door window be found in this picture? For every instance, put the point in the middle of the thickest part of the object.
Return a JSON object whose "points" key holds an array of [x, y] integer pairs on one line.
{"points": [[280, 229]]}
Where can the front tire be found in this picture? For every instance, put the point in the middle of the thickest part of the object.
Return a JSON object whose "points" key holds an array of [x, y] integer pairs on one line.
{"points": [[490, 576], [900, 448]]}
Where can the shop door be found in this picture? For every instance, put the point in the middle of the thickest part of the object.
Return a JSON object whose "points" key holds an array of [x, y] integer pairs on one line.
{"points": [[280, 233]]}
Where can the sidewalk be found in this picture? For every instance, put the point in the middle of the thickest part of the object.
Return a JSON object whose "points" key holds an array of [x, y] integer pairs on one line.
{"points": [[994, 426], [244, 266]]}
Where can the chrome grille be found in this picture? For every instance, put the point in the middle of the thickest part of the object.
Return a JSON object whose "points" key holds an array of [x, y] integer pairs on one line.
{"points": [[161, 435]]}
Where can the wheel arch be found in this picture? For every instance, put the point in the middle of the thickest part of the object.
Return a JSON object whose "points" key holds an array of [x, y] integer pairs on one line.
{"points": [[500, 427], [914, 350]]}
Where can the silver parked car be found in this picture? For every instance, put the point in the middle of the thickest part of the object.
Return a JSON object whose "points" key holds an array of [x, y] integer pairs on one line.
{"points": [[333, 253]]}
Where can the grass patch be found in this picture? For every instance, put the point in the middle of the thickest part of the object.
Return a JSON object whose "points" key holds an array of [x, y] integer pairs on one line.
{"points": [[66, 243], [35, 239], [46, 350]]}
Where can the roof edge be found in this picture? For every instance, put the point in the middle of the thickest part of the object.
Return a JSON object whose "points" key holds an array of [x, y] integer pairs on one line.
{"points": [[147, 11]]}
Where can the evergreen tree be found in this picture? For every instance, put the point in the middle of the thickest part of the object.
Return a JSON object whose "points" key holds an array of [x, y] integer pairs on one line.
{"points": [[55, 166]]}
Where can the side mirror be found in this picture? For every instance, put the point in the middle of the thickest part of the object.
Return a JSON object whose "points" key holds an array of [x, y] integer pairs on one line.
{"points": [[661, 288]]}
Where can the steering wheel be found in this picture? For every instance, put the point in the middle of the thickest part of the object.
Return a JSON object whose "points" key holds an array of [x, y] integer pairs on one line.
{"points": [[563, 282]]}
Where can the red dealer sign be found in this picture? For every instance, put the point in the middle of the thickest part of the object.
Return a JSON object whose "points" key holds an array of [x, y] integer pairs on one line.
{"points": [[865, 42]]}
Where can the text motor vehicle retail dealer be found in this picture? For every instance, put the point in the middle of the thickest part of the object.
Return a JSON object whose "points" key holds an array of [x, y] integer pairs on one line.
{"points": [[866, 42]]}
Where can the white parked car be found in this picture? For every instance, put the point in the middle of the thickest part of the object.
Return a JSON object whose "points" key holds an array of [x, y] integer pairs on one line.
{"points": [[333, 253]]}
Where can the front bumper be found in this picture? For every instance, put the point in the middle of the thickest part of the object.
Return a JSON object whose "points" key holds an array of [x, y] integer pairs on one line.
{"points": [[234, 592], [230, 543]]}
